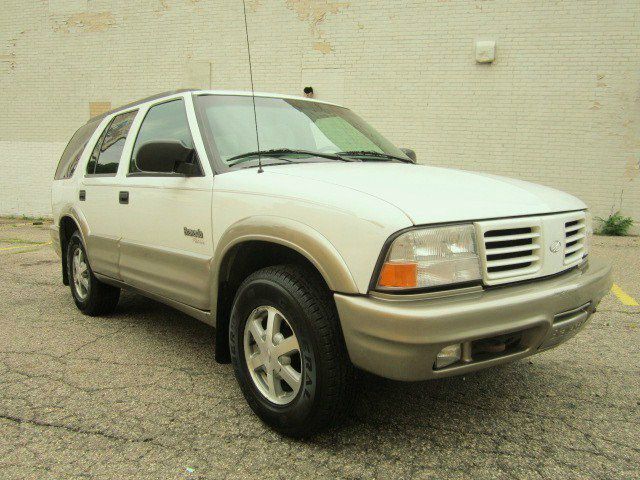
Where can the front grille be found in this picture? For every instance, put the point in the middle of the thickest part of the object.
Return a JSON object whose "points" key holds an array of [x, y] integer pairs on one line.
{"points": [[518, 249], [511, 252], [574, 238]]}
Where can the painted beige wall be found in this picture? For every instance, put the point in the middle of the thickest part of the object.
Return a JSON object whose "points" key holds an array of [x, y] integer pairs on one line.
{"points": [[559, 106]]}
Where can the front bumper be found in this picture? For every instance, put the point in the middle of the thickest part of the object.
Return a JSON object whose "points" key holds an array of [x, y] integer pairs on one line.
{"points": [[400, 338]]}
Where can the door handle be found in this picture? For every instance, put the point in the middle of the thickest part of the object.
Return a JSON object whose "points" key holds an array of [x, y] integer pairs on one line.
{"points": [[124, 197], [82, 195]]}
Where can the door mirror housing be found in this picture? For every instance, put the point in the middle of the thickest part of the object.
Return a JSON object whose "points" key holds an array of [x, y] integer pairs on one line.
{"points": [[167, 156], [411, 154]]}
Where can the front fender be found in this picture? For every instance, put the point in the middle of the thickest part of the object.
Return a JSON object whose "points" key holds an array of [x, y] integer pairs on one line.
{"points": [[298, 236]]}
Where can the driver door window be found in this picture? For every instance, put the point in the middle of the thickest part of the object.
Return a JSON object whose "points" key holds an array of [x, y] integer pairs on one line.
{"points": [[166, 121]]}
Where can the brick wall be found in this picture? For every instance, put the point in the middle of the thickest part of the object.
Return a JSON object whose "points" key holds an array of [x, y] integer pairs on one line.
{"points": [[559, 106]]}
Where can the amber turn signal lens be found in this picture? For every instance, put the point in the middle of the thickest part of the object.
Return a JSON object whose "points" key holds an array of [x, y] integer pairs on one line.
{"points": [[399, 275]]}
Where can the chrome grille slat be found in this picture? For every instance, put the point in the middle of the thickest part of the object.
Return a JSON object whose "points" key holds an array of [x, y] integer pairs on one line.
{"points": [[510, 273], [575, 257], [575, 235], [519, 248], [512, 261], [520, 236], [572, 249]]}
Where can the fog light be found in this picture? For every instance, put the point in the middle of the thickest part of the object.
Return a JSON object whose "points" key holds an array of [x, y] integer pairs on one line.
{"points": [[448, 355]]}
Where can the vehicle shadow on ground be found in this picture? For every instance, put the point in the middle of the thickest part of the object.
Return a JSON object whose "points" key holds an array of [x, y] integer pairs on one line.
{"points": [[142, 310], [461, 406]]}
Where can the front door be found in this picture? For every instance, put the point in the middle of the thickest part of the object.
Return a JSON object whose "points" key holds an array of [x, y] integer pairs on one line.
{"points": [[166, 246]]}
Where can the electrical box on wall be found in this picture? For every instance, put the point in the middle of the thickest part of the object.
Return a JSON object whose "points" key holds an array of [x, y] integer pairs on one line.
{"points": [[485, 51]]}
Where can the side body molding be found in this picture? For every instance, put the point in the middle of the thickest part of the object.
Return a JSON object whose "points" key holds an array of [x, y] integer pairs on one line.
{"points": [[298, 236]]}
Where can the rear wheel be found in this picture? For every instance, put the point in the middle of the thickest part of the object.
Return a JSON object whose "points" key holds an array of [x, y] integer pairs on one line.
{"points": [[91, 296], [288, 351]]}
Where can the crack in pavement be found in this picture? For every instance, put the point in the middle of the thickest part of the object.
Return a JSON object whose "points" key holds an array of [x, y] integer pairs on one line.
{"points": [[78, 430]]}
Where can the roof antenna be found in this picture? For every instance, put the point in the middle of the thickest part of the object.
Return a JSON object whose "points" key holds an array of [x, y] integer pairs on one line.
{"points": [[253, 93]]}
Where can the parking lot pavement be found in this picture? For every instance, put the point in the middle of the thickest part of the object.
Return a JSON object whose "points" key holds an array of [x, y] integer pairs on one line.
{"points": [[138, 394]]}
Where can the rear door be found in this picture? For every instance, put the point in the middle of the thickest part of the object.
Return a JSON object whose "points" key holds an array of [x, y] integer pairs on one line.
{"points": [[98, 196], [166, 245]]}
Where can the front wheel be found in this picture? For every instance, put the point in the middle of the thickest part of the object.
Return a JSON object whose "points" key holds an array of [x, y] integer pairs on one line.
{"points": [[91, 296], [288, 351]]}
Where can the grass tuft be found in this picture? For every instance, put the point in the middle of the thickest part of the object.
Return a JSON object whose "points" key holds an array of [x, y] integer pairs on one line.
{"points": [[615, 225]]}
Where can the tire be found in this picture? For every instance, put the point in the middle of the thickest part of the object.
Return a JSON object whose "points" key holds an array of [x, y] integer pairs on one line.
{"points": [[327, 378], [92, 297]]}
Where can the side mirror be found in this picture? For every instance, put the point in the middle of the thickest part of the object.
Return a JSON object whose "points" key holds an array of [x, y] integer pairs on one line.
{"points": [[167, 156], [411, 154]]}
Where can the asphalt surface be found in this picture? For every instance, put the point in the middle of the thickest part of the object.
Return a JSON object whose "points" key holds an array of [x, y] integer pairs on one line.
{"points": [[139, 395]]}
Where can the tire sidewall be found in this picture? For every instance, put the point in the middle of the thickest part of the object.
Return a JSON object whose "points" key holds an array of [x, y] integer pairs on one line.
{"points": [[263, 292], [74, 242]]}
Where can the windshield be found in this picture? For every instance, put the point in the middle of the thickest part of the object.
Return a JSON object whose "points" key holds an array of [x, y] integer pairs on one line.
{"points": [[228, 126]]}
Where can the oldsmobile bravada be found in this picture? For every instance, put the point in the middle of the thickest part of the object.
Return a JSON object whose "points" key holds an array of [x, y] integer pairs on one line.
{"points": [[317, 248]]}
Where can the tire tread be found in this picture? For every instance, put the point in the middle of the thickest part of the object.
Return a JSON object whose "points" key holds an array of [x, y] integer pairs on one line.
{"points": [[338, 392]]}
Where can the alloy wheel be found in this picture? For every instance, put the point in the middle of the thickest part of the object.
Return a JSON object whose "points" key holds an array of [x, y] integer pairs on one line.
{"points": [[80, 273], [272, 355]]}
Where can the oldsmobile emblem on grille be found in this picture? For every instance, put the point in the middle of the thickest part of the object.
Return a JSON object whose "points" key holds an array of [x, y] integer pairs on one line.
{"points": [[555, 247]]}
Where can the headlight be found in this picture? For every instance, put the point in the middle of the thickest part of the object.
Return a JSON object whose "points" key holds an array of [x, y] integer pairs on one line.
{"points": [[431, 257]]}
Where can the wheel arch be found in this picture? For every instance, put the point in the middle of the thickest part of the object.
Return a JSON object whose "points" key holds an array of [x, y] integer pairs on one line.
{"points": [[70, 222], [258, 242]]}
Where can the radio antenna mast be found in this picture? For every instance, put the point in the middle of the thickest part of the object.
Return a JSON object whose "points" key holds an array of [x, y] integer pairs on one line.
{"points": [[253, 92]]}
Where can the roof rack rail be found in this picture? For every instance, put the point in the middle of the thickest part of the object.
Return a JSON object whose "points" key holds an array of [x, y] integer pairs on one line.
{"points": [[143, 100]]}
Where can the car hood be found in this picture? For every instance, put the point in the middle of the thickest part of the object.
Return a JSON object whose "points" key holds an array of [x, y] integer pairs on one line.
{"points": [[434, 195]]}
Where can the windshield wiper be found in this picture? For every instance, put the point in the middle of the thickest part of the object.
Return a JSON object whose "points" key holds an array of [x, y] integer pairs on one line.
{"points": [[372, 153], [281, 152]]}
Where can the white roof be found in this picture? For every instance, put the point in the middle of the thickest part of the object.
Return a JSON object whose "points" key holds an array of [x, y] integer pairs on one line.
{"points": [[154, 99], [246, 93]]}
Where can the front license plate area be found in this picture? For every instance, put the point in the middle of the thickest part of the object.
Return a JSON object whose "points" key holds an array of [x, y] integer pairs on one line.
{"points": [[566, 325]]}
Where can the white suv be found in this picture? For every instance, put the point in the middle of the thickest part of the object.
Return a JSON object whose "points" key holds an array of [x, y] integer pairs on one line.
{"points": [[318, 249]]}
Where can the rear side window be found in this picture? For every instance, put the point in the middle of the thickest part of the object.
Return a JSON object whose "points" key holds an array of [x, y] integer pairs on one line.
{"points": [[72, 153], [106, 154], [166, 121]]}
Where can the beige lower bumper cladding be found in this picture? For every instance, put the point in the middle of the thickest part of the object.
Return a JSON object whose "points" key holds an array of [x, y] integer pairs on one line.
{"points": [[400, 339]]}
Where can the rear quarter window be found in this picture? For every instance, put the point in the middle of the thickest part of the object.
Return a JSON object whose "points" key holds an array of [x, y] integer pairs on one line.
{"points": [[106, 154], [73, 151]]}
